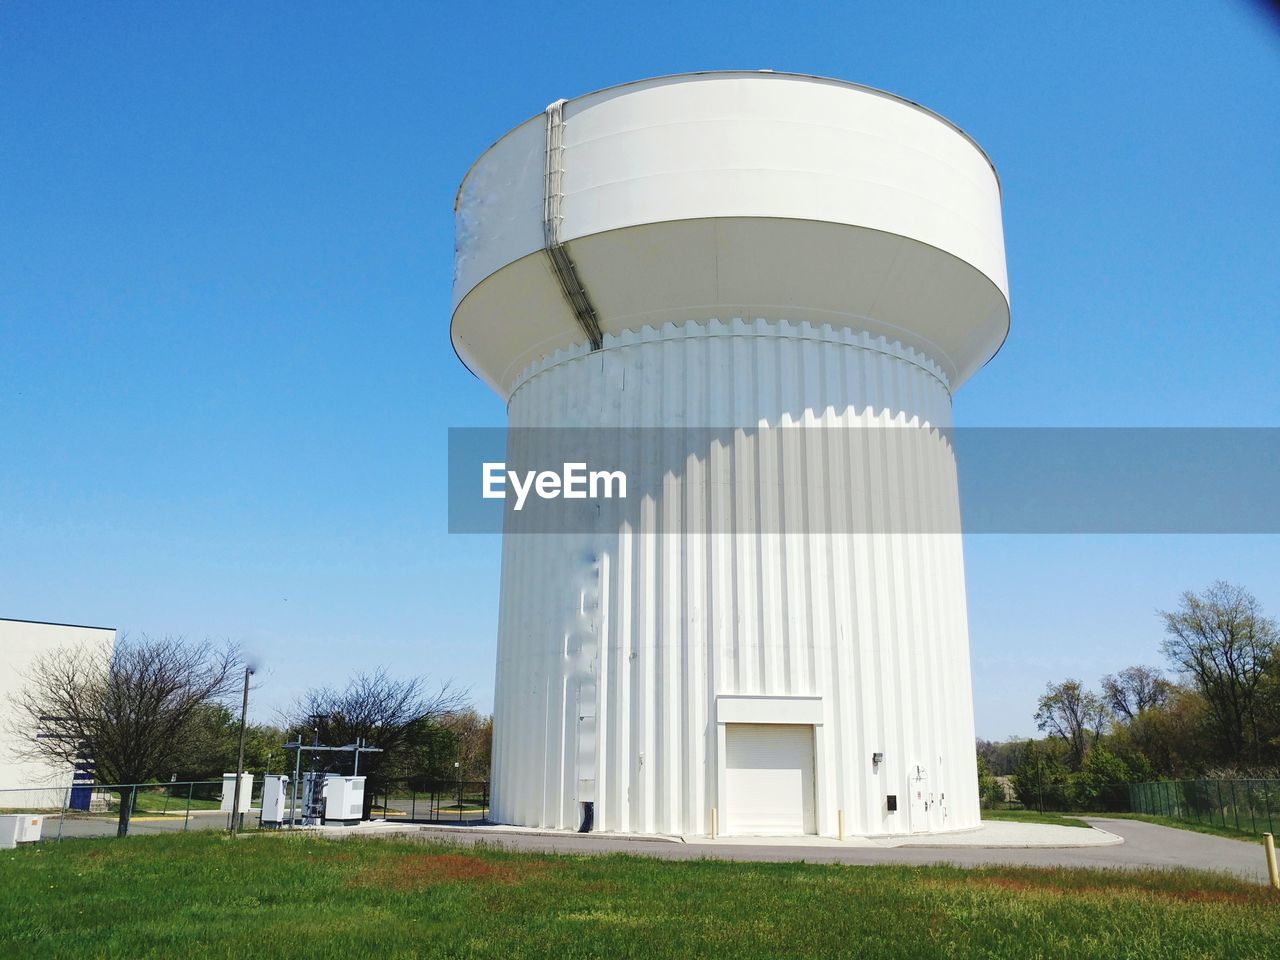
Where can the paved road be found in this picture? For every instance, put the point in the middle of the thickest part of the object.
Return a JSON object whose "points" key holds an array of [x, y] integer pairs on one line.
{"points": [[1146, 845], [141, 824]]}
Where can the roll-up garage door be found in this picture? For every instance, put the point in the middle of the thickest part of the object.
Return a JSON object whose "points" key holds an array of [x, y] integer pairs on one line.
{"points": [[769, 779]]}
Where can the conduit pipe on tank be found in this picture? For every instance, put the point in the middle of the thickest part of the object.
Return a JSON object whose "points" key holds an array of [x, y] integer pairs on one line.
{"points": [[575, 294]]}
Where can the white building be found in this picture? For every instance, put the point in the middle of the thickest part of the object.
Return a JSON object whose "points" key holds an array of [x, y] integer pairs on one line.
{"points": [[26, 783], [770, 636]]}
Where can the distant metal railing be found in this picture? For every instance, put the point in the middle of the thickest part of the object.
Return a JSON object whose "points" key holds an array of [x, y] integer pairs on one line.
{"points": [[80, 810], [93, 810], [423, 800], [1246, 805]]}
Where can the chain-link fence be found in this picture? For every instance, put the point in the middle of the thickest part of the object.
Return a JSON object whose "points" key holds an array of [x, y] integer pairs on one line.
{"points": [[1058, 796], [93, 810], [1251, 806]]}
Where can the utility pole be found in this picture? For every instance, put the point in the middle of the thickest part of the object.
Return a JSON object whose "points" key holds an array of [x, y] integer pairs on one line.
{"points": [[244, 712]]}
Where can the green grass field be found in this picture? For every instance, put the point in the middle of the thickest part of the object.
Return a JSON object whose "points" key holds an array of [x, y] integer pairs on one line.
{"points": [[1033, 816], [155, 801], [202, 895]]}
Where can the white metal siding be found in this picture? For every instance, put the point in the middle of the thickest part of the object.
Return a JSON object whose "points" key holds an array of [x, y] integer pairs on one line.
{"points": [[657, 625], [769, 779]]}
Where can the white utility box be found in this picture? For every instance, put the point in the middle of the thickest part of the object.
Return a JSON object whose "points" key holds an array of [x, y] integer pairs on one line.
{"points": [[343, 799], [275, 798], [16, 828], [229, 792]]}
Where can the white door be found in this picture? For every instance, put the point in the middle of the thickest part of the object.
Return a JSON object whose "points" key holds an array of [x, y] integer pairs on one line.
{"points": [[769, 779], [918, 784]]}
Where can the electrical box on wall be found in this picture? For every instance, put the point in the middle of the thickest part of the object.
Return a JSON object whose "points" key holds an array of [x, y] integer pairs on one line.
{"points": [[892, 801]]}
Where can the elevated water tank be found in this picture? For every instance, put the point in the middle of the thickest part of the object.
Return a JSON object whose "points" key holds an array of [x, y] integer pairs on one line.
{"points": [[770, 635]]}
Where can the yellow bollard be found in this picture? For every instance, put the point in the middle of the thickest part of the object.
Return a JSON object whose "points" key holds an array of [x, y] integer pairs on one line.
{"points": [[1269, 843], [714, 824], [840, 823]]}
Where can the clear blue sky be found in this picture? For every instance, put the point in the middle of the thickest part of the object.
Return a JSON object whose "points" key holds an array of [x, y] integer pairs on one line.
{"points": [[225, 254]]}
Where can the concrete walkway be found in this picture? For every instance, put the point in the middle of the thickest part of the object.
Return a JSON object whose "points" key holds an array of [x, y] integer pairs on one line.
{"points": [[1139, 845], [994, 834]]}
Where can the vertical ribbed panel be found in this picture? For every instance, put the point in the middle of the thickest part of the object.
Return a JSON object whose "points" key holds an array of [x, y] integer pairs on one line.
{"points": [[641, 629]]}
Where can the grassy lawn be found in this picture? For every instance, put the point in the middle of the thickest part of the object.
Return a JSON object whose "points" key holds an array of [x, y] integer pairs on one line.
{"points": [[176, 803], [1034, 816], [202, 895]]}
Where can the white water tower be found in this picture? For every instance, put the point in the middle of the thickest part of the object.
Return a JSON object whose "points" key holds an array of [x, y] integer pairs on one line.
{"points": [[772, 642]]}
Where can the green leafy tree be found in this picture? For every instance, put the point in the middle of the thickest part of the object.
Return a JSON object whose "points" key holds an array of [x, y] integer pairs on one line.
{"points": [[473, 738], [1075, 715], [1223, 643], [991, 791], [1039, 780], [214, 734], [1102, 781]]}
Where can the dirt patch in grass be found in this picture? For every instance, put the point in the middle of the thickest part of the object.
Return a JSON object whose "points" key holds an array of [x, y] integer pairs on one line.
{"points": [[419, 871]]}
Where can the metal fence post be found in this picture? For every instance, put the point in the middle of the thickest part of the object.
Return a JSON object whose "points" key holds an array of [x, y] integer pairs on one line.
{"points": [[1221, 809], [1235, 804], [66, 803], [186, 819], [1266, 798], [413, 805]]}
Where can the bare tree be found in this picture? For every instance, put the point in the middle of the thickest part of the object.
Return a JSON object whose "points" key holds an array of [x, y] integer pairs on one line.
{"points": [[1069, 711], [1135, 690], [1221, 640], [405, 718], [132, 711]]}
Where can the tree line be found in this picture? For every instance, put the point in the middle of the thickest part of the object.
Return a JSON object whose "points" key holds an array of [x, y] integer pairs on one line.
{"points": [[161, 709], [1213, 710]]}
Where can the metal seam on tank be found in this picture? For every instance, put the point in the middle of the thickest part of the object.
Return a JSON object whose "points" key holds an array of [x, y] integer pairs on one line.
{"points": [[807, 331]]}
